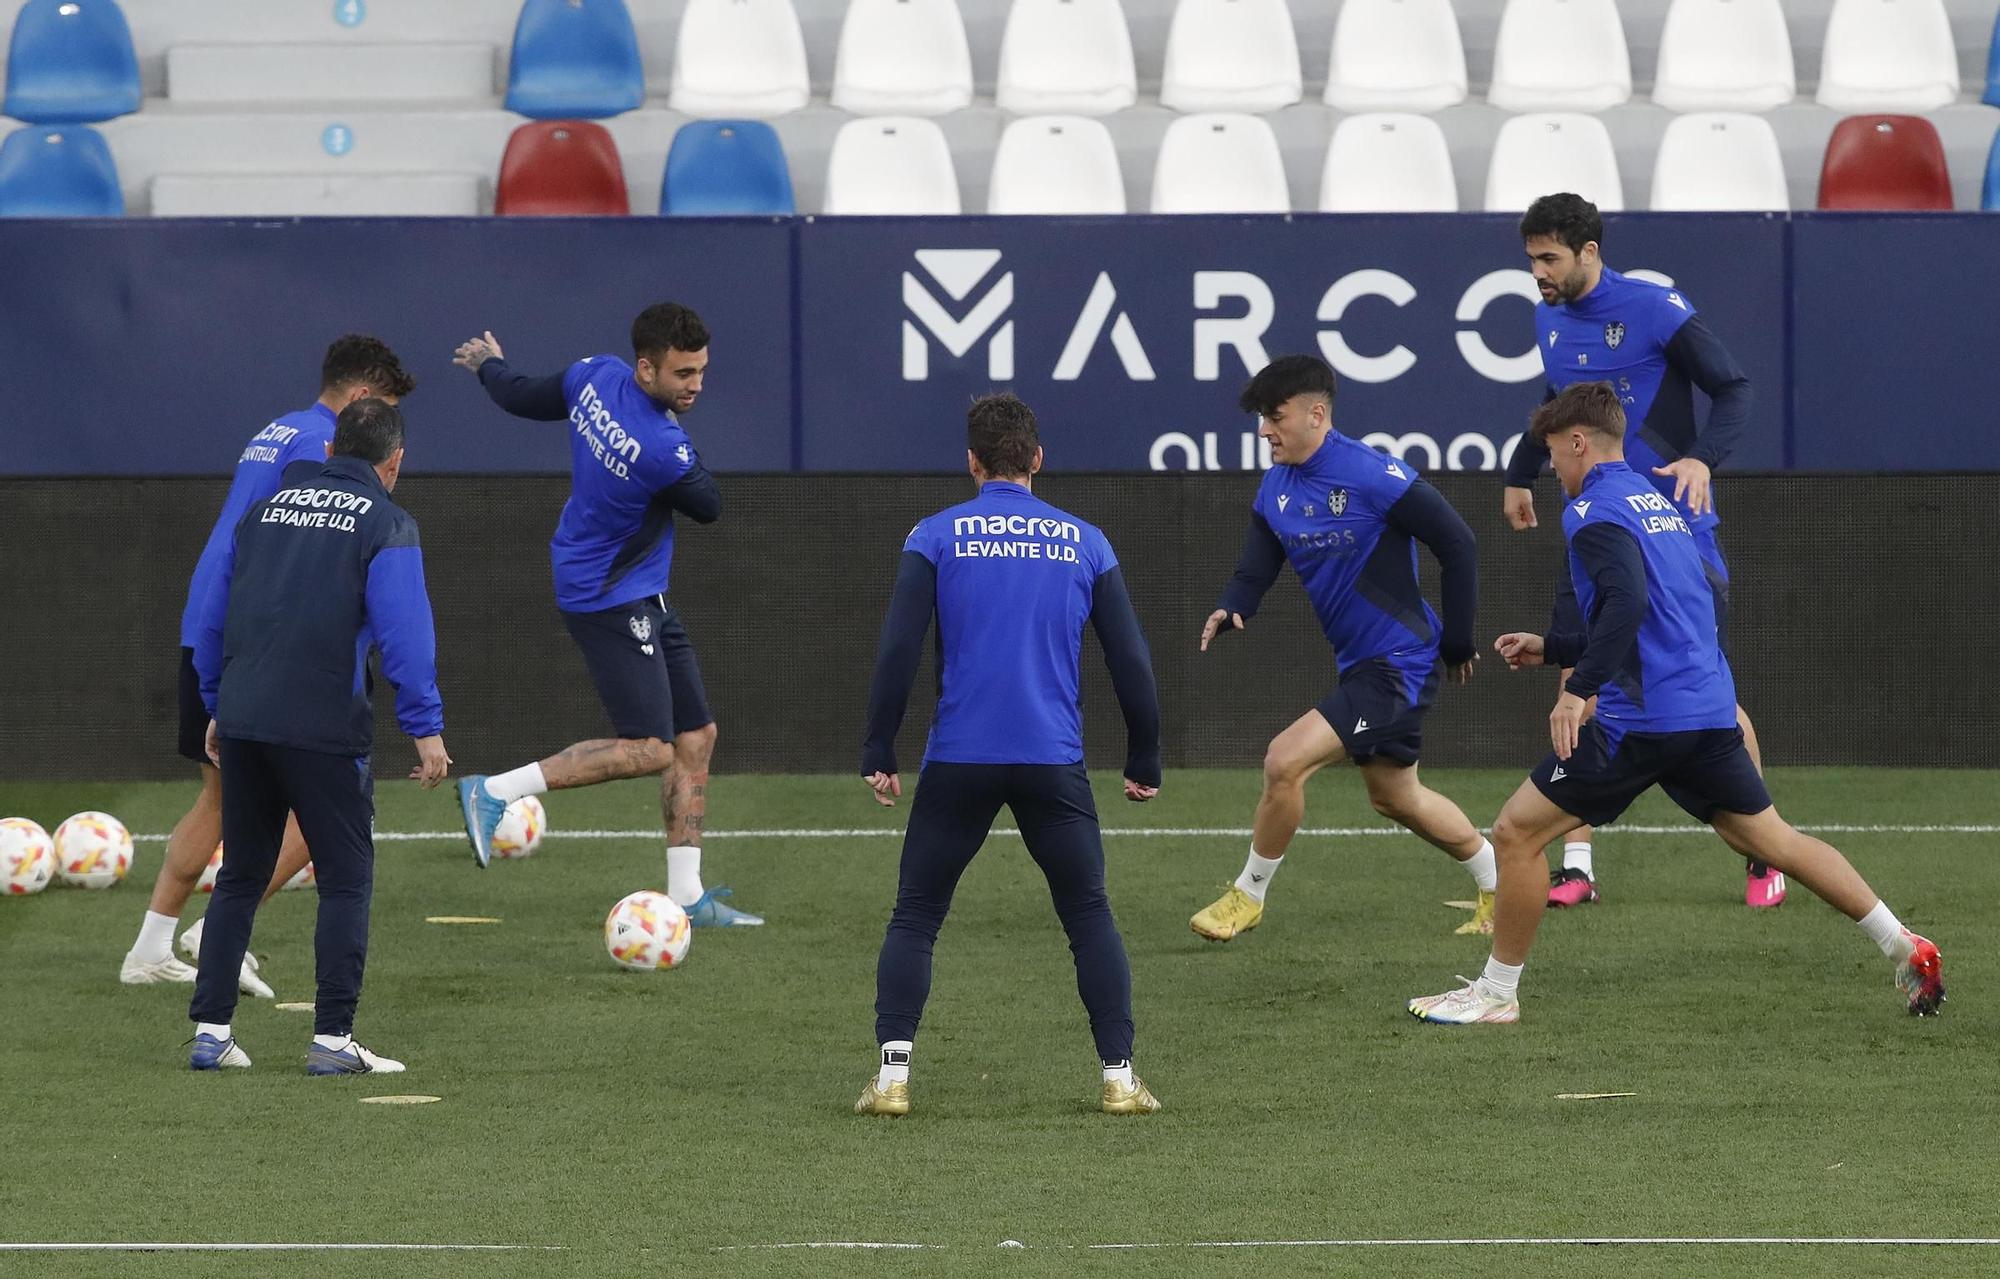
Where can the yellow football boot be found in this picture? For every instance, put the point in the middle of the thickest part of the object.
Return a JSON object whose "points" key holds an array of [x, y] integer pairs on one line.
{"points": [[892, 1101], [1135, 1099], [1234, 912], [1481, 923]]}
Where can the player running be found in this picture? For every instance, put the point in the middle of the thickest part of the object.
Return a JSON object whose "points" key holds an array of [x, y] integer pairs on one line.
{"points": [[1646, 339], [1666, 715], [355, 367], [1348, 518], [631, 468]]}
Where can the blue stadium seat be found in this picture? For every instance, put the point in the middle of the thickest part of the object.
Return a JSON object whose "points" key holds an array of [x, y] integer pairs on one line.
{"points": [[1992, 98], [575, 60], [1989, 199], [71, 61], [49, 171], [723, 168]]}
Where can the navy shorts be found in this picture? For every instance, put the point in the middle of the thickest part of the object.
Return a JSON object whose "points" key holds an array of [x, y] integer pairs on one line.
{"points": [[1377, 713], [643, 665], [1705, 771], [194, 716], [1717, 571]]}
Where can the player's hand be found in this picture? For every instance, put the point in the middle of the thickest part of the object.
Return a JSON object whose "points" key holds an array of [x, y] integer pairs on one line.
{"points": [[212, 745], [1461, 673], [432, 762], [1139, 794], [1215, 624], [888, 787], [1518, 504], [477, 351], [1691, 477], [1565, 721], [1519, 649]]}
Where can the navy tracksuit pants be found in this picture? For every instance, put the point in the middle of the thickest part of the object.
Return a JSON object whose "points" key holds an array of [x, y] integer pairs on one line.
{"points": [[953, 810], [334, 797]]}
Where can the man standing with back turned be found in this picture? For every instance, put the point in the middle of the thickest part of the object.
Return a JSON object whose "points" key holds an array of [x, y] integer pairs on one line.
{"points": [[316, 574], [1011, 581]]}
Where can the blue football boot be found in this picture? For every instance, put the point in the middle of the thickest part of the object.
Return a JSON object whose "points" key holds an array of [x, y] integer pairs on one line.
{"points": [[709, 912], [482, 816], [210, 1053]]}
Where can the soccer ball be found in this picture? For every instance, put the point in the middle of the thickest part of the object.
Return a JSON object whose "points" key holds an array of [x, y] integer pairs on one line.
{"points": [[93, 850], [206, 884], [27, 858], [306, 878], [647, 931], [521, 828]]}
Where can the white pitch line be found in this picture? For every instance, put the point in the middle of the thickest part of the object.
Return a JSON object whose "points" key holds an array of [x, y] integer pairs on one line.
{"points": [[839, 1244], [1638, 1241], [281, 1247]]}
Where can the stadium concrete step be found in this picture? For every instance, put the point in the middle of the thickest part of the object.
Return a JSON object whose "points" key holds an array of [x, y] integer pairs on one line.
{"points": [[318, 195], [344, 73]]}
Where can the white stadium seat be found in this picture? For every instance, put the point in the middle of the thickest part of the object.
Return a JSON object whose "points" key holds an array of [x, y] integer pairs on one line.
{"points": [[739, 59], [279, 195], [902, 57], [1231, 55], [331, 72], [1538, 155], [1713, 161], [891, 164], [1066, 57], [1395, 55], [1560, 55], [1888, 55], [1056, 164], [1725, 55], [1220, 163], [1388, 163]]}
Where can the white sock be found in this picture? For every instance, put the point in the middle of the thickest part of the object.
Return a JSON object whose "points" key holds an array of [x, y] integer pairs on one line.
{"points": [[1886, 931], [156, 938], [1503, 980], [510, 786], [1576, 856], [684, 875], [1256, 877], [332, 1043], [1121, 1073], [213, 1029], [1484, 873], [895, 1063]]}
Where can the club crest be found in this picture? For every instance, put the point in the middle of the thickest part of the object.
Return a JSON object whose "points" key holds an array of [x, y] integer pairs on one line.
{"points": [[1336, 503], [641, 626], [1614, 333]]}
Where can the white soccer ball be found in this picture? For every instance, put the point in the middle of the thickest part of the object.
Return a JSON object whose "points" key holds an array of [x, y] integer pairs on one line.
{"points": [[206, 884], [647, 931], [27, 856], [306, 878], [93, 850], [521, 828]]}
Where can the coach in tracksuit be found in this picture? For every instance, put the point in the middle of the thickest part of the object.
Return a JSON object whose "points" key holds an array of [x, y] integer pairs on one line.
{"points": [[317, 574]]}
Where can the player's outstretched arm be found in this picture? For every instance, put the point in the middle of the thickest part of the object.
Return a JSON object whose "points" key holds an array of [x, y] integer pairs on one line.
{"points": [[896, 656], [1257, 568], [539, 399], [1423, 513], [1131, 664]]}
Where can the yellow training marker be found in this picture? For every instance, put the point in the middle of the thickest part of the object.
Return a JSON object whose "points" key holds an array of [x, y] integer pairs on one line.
{"points": [[400, 1099], [294, 1008], [1592, 1096], [460, 919]]}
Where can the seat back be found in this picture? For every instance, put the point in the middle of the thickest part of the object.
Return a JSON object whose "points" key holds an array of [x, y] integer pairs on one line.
{"points": [[58, 171], [1220, 163], [1395, 55], [574, 59], [1388, 163], [902, 57], [1538, 155], [1056, 164], [742, 58], [1713, 161], [1231, 55], [1066, 57], [723, 168], [1725, 55], [891, 164], [1560, 55], [71, 61], [1992, 95], [1885, 162], [1888, 55], [559, 168]]}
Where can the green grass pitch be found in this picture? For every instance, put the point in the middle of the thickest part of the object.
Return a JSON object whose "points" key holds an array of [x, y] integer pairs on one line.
{"points": [[1781, 1090]]}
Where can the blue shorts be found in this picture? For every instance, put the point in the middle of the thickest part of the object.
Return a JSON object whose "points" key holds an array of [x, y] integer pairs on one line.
{"points": [[1705, 771], [1376, 712], [1717, 571], [643, 666]]}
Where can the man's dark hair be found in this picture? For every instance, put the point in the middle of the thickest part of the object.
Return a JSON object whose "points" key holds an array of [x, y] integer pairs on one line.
{"points": [[1000, 431], [1591, 405], [666, 326], [370, 429], [1284, 377], [360, 360], [1569, 218]]}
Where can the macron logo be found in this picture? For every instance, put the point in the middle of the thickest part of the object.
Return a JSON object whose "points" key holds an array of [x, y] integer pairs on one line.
{"points": [[1553, 335], [958, 272], [1558, 775], [1397, 471], [1360, 725], [1581, 508], [1283, 498]]}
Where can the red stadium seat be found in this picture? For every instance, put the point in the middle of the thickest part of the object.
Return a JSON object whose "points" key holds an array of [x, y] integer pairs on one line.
{"points": [[1885, 162], [561, 168]]}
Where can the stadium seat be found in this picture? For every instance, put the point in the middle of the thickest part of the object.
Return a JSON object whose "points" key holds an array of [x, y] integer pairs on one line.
{"points": [[1220, 163], [1992, 96], [891, 164], [1066, 57], [561, 167], [902, 57], [1395, 55], [58, 172], [1231, 55], [574, 59], [1719, 162], [1538, 155], [1889, 162], [1388, 163], [71, 61], [1560, 55], [328, 72], [726, 168], [1989, 196], [1888, 55], [1056, 164], [288, 195], [739, 58], [1725, 55]]}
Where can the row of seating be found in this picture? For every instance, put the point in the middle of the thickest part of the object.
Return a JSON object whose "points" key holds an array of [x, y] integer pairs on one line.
{"points": [[73, 61], [1208, 163]]}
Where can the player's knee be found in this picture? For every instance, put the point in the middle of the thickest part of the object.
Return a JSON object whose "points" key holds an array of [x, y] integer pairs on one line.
{"points": [[648, 755], [1398, 804], [694, 748], [1282, 767], [1512, 839]]}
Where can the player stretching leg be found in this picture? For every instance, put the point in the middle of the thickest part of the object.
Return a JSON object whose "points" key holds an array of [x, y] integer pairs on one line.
{"points": [[355, 367], [631, 468], [1348, 520], [1593, 323], [1666, 715]]}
